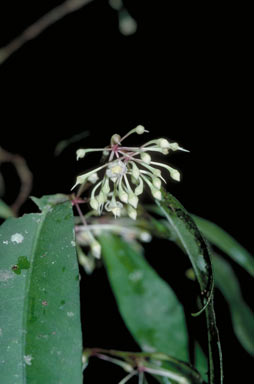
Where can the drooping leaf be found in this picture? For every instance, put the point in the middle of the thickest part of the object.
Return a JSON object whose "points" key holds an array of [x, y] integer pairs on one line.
{"points": [[39, 299], [192, 242], [148, 306], [195, 247], [226, 243], [5, 211], [242, 316]]}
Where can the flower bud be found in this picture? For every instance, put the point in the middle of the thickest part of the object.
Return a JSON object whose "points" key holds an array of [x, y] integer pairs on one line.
{"points": [[156, 172], [133, 200], [175, 174], [80, 153], [157, 182], [123, 196], [101, 198], [96, 249], [156, 193], [145, 157], [139, 189], [135, 170], [140, 129], [133, 180], [131, 212], [163, 143], [115, 139], [80, 180], [94, 203], [106, 188], [93, 178]]}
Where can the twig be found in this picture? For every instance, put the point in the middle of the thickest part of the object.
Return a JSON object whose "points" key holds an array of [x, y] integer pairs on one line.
{"points": [[25, 176], [40, 25]]}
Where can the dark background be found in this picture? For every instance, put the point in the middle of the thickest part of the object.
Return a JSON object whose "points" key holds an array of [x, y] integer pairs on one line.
{"points": [[181, 75]]}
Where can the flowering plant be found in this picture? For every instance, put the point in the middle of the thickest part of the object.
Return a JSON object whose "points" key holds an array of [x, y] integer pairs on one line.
{"points": [[44, 255]]}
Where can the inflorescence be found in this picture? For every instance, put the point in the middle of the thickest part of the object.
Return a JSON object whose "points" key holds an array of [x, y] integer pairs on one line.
{"points": [[127, 169]]}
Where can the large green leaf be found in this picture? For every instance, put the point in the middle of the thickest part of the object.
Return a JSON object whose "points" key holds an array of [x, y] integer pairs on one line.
{"points": [[226, 243], [39, 299], [148, 306], [242, 316], [195, 247]]}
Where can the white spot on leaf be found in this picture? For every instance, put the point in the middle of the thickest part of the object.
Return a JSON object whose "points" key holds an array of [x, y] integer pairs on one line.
{"points": [[70, 314], [6, 242], [136, 275], [28, 359], [17, 238], [5, 275]]}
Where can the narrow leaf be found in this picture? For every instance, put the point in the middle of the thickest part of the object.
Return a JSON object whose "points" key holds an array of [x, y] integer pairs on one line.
{"points": [[195, 247], [242, 316], [5, 211], [39, 299], [192, 242], [148, 306], [226, 243]]}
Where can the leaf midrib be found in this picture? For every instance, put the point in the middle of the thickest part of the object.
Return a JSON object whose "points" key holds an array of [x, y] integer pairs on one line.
{"points": [[43, 217]]}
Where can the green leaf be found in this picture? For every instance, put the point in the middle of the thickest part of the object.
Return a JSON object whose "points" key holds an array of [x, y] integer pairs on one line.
{"points": [[226, 243], [39, 299], [147, 304], [48, 201], [5, 211], [200, 360], [191, 241], [195, 247], [242, 316]]}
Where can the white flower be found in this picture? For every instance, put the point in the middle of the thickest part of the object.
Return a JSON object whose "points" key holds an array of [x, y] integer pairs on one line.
{"points": [[115, 207], [116, 170], [125, 171]]}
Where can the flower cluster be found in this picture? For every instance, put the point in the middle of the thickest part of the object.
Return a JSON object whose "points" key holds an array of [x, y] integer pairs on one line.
{"points": [[127, 169]]}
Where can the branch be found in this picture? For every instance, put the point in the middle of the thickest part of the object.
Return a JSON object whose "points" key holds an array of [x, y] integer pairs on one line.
{"points": [[40, 25], [24, 174]]}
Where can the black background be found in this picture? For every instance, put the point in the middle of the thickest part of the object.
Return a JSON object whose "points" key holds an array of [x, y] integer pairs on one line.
{"points": [[181, 76]]}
